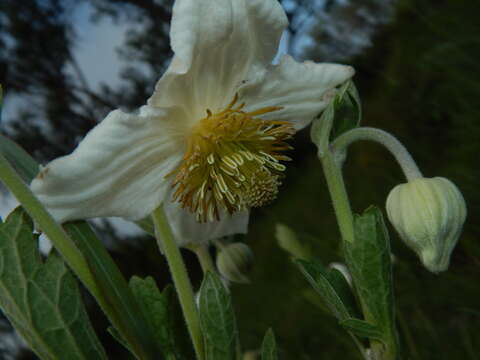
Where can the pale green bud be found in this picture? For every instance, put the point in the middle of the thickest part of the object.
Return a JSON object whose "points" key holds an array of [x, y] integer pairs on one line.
{"points": [[234, 261], [289, 242], [428, 213]]}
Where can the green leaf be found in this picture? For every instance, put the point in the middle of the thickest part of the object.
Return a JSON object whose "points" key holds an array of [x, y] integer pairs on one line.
{"points": [[332, 286], [41, 299], [348, 110], [116, 299], [116, 335], [21, 161], [164, 316], [342, 114], [362, 329], [269, 346], [217, 320], [368, 259]]}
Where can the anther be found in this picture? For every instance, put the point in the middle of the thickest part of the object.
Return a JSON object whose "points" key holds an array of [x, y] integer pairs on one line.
{"points": [[232, 162]]}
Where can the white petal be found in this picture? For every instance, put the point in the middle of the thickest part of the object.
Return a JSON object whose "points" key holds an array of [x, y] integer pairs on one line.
{"points": [[303, 90], [187, 230], [216, 43], [117, 170]]}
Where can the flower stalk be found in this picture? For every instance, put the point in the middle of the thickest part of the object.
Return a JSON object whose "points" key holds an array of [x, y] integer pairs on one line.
{"points": [[331, 156], [204, 258], [320, 134], [396, 148], [338, 193], [166, 241]]}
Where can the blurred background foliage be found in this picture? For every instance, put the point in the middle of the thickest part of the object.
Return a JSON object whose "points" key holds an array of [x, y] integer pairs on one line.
{"points": [[418, 76]]}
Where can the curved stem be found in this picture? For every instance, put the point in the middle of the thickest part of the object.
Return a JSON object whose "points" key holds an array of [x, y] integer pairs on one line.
{"points": [[204, 257], [166, 241], [401, 154]]}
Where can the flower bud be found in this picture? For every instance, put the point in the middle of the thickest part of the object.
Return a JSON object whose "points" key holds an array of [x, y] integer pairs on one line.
{"points": [[288, 241], [428, 213], [234, 261]]}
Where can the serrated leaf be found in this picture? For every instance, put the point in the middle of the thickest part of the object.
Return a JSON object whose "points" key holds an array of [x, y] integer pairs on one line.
{"points": [[269, 346], [217, 320], [333, 288], [42, 300], [21, 161], [368, 259], [164, 316], [116, 299], [362, 329]]}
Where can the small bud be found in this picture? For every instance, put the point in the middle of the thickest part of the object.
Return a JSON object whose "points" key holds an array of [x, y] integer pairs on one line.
{"points": [[428, 213], [234, 261], [289, 242]]}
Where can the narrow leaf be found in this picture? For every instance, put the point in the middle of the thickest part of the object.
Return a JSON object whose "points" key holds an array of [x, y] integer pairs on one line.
{"points": [[332, 286], [116, 335], [164, 316], [116, 300], [217, 320], [42, 300], [362, 329], [21, 161], [269, 346]]}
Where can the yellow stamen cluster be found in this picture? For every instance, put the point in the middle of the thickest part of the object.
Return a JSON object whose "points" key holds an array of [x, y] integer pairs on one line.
{"points": [[231, 162]]}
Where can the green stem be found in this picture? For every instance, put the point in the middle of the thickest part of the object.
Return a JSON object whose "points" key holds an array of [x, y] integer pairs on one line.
{"points": [[166, 241], [343, 212], [47, 224], [204, 257], [338, 193], [396, 148]]}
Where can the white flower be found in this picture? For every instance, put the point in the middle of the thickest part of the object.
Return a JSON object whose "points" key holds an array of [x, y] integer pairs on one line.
{"points": [[208, 143]]}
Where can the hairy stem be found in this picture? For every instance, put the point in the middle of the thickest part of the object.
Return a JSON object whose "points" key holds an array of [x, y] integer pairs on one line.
{"points": [[338, 193], [401, 154], [166, 241]]}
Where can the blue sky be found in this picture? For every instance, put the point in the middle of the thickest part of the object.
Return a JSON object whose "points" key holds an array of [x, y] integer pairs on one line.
{"points": [[95, 53]]}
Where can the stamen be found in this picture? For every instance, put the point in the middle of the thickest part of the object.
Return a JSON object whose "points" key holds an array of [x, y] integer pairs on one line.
{"points": [[231, 162], [211, 159]]}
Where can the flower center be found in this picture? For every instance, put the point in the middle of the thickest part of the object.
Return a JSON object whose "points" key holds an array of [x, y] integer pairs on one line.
{"points": [[231, 162]]}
